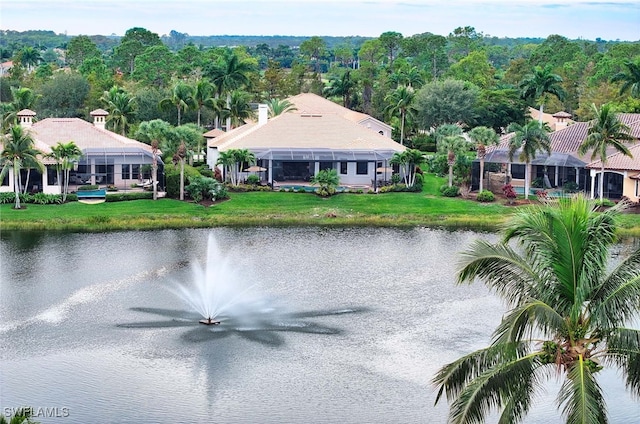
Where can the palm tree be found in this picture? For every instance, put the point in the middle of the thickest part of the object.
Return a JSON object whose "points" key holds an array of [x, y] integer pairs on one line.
{"points": [[203, 96], [231, 74], [567, 317], [451, 142], [23, 98], [400, 101], [483, 136], [18, 152], [121, 107], [227, 160], [29, 57], [179, 157], [277, 107], [605, 131], [241, 157], [239, 108], [65, 156], [327, 180], [630, 79], [529, 139], [181, 98], [539, 84], [341, 86], [408, 160]]}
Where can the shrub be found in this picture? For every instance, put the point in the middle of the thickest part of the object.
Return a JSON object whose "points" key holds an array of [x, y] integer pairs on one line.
{"points": [[134, 195], [111, 187], [253, 179], [200, 188], [604, 203], [485, 196], [395, 179], [172, 178], [447, 191], [418, 183], [509, 192], [7, 197], [47, 199], [570, 186], [88, 187]]}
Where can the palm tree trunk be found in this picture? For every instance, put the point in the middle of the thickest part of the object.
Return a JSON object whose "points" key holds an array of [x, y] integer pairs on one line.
{"points": [[26, 183], [481, 175], [450, 175], [16, 186], [527, 179], [601, 182], [541, 109], [181, 178], [402, 130], [154, 179]]}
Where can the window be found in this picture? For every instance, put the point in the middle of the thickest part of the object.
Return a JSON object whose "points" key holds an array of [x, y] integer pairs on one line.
{"points": [[135, 172], [325, 166], [126, 174], [517, 171], [362, 168], [343, 168], [637, 188]]}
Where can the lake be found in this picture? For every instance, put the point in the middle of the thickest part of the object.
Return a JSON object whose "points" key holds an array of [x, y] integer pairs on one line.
{"points": [[91, 329]]}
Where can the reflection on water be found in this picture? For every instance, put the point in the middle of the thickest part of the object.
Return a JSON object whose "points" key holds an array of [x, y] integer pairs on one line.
{"points": [[364, 319]]}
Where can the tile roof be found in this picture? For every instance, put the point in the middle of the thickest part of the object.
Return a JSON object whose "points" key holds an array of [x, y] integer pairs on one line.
{"points": [[620, 161], [216, 132], [312, 103], [85, 135], [305, 130]]}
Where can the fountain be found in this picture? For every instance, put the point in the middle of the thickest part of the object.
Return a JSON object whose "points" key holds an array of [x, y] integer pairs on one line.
{"points": [[216, 293]]}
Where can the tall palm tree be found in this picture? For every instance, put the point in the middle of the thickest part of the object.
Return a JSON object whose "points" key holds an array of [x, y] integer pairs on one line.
{"points": [[231, 73], [18, 152], [529, 139], [121, 107], [181, 98], [541, 83], [239, 108], [569, 316], [277, 107], [451, 142], [203, 96], [30, 57], [65, 156], [630, 79], [400, 101], [605, 131], [483, 136]]}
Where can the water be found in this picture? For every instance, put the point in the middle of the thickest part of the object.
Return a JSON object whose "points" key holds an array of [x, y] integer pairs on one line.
{"points": [[346, 325]]}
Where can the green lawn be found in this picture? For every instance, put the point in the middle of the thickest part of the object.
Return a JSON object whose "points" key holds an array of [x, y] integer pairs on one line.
{"points": [[276, 209]]}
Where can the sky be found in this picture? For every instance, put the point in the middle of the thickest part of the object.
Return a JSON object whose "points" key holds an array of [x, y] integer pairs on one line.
{"points": [[574, 19]]}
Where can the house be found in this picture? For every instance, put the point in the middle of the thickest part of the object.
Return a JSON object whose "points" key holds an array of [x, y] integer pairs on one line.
{"points": [[294, 146], [555, 121], [5, 67], [564, 164], [107, 158]]}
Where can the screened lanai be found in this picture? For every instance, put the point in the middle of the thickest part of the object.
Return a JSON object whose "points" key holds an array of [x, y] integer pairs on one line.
{"points": [[354, 166]]}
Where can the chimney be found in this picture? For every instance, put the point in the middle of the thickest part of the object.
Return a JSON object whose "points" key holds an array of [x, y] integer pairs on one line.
{"points": [[99, 118], [561, 120], [25, 118], [263, 114]]}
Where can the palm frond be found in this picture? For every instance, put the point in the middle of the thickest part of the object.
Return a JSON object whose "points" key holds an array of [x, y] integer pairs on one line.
{"points": [[453, 377], [618, 297], [581, 396], [524, 320], [500, 268], [509, 385], [623, 349]]}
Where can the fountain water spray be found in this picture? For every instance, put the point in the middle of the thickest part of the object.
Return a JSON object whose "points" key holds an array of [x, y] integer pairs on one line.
{"points": [[216, 291]]}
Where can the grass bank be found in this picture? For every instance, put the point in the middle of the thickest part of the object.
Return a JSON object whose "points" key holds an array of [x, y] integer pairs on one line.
{"points": [[273, 209], [276, 209]]}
